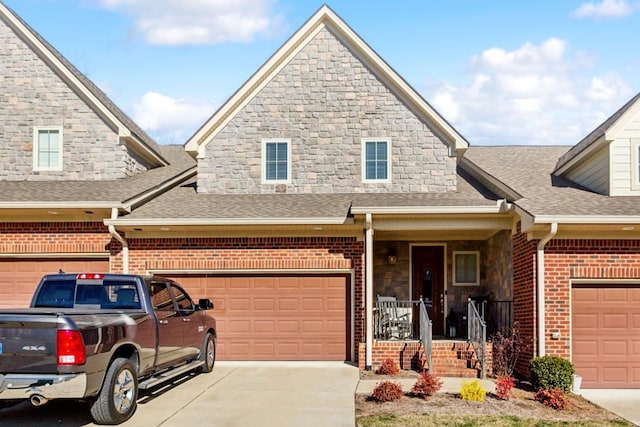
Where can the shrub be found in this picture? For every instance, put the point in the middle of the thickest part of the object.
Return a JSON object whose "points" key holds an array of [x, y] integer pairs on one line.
{"points": [[506, 350], [471, 390], [504, 386], [552, 397], [387, 391], [426, 385], [551, 372], [388, 367]]}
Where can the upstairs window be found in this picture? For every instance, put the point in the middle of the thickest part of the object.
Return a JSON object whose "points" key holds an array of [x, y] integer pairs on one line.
{"points": [[276, 164], [376, 166], [47, 148]]}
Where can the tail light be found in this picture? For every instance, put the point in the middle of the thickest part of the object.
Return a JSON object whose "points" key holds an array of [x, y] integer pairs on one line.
{"points": [[90, 276], [70, 348]]}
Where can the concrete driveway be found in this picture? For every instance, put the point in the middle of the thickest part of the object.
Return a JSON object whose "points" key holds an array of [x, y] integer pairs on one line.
{"points": [[235, 394], [622, 402]]}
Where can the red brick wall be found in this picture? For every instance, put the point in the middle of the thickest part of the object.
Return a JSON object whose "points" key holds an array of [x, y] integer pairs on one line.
{"points": [[256, 253], [581, 259], [54, 237], [524, 296]]}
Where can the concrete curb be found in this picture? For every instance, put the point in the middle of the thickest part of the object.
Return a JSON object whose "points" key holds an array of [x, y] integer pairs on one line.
{"points": [[449, 384]]}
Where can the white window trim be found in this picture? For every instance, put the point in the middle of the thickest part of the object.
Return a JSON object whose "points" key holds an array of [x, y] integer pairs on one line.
{"points": [[265, 141], [364, 160], [36, 132], [455, 279], [635, 164]]}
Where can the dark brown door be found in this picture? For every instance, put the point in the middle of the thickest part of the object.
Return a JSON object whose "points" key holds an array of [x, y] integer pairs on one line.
{"points": [[428, 282]]}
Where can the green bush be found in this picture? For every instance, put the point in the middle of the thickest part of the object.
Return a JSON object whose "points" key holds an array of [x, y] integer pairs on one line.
{"points": [[551, 372], [472, 390]]}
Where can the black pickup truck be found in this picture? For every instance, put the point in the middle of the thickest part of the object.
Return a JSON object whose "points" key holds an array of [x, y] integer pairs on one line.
{"points": [[101, 338]]}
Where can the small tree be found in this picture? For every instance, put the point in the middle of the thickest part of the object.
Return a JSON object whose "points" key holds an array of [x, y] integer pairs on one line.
{"points": [[506, 350]]}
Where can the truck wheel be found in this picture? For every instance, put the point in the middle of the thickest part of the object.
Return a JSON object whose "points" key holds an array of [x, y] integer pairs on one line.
{"points": [[208, 353], [117, 400]]}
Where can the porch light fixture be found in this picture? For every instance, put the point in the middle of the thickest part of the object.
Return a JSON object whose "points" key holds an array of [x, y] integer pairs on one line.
{"points": [[392, 257]]}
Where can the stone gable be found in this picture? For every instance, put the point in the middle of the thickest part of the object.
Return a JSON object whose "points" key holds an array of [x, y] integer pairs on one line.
{"points": [[31, 94], [325, 101]]}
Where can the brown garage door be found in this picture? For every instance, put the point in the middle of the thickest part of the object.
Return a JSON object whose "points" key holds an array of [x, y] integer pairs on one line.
{"points": [[606, 335], [276, 317], [19, 277]]}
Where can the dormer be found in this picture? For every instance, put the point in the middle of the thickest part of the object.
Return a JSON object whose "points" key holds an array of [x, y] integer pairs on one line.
{"points": [[607, 161]]}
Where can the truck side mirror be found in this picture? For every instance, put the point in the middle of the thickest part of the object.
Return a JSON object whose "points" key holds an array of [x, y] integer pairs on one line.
{"points": [[205, 304]]}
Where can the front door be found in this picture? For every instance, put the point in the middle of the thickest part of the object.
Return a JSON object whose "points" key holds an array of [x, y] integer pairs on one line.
{"points": [[428, 282]]}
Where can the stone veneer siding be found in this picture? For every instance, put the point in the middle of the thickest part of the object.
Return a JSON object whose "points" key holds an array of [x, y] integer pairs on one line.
{"points": [[260, 254], [325, 101], [31, 94]]}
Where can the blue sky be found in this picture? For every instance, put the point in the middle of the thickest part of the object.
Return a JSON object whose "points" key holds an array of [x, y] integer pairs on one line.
{"points": [[502, 72]]}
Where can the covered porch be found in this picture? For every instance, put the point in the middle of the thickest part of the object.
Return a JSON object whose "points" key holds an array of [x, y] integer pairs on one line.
{"points": [[458, 266]]}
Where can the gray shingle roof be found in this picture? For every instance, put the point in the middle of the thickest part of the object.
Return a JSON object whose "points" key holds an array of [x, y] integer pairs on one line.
{"points": [[184, 203], [528, 171]]}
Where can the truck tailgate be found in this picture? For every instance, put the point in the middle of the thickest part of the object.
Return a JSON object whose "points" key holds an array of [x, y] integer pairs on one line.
{"points": [[28, 342]]}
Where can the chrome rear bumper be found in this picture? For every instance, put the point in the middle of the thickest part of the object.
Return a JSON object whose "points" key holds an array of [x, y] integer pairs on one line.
{"points": [[24, 386]]}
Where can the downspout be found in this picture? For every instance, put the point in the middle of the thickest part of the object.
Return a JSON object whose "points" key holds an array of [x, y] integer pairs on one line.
{"points": [[368, 265], [122, 240], [540, 286]]}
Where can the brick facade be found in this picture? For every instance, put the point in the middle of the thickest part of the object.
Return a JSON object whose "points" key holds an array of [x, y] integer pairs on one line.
{"points": [[594, 260], [56, 238], [325, 101], [33, 95], [259, 254]]}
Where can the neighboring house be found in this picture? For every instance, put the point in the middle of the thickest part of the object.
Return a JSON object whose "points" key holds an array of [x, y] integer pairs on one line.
{"points": [[326, 181], [69, 159]]}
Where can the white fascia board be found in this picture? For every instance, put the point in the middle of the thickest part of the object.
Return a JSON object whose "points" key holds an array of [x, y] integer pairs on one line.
{"points": [[426, 210], [592, 148], [228, 221], [612, 132], [62, 205], [587, 219], [132, 203]]}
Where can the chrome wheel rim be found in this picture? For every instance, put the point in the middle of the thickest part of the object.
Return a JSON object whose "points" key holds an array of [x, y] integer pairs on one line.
{"points": [[124, 392], [211, 353]]}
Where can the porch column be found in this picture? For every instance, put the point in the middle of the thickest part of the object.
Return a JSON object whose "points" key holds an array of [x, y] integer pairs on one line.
{"points": [[368, 292]]}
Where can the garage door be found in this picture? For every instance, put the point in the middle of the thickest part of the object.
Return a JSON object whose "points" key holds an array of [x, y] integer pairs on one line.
{"points": [[606, 335], [276, 317], [19, 277]]}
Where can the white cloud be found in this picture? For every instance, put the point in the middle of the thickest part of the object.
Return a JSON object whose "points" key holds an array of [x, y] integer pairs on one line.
{"points": [[535, 94], [170, 120], [604, 9], [182, 22]]}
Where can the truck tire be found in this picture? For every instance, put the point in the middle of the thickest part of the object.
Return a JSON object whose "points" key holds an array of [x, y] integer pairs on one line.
{"points": [[118, 397], [208, 353]]}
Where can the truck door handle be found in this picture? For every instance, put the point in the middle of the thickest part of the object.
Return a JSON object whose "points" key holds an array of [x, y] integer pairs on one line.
{"points": [[186, 319], [163, 322]]}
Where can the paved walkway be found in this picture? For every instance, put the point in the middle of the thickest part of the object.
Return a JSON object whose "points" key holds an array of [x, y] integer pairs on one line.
{"points": [[622, 402]]}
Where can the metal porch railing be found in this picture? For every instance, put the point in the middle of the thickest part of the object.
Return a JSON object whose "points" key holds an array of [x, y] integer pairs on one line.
{"points": [[426, 333], [477, 333]]}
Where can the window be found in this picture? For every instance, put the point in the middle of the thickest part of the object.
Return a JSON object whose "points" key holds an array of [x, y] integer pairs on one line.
{"points": [[47, 148], [376, 166], [276, 166], [466, 269]]}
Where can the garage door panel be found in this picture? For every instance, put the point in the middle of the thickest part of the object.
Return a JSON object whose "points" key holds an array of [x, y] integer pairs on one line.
{"points": [[289, 317], [20, 277], [606, 335]]}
